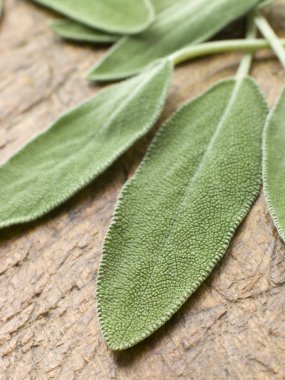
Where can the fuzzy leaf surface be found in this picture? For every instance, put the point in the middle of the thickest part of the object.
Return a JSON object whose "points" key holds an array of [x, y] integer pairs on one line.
{"points": [[80, 145], [72, 30], [177, 24], [274, 165], [175, 218], [114, 16]]}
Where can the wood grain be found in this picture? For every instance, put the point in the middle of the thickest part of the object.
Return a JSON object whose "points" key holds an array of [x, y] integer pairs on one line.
{"points": [[232, 328]]}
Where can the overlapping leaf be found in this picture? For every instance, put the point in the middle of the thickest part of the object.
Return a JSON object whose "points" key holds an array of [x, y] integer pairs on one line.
{"points": [[80, 146], [175, 218], [178, 23], [114, 16], [274, 165], [72, 30]]}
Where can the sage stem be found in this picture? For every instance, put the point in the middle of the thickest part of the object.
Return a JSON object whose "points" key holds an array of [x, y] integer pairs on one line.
{"points": [[216, 47], [269, 34], [246, 62]]}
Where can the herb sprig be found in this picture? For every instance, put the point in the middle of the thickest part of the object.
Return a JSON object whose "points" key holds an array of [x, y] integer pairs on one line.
{"points": [[176, 217]]}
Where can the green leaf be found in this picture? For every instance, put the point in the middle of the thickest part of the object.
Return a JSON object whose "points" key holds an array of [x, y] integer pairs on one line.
{"points": [[114, 16], [175, 219], [181, 23], [80, 145], [274, 164], [72, 30]]}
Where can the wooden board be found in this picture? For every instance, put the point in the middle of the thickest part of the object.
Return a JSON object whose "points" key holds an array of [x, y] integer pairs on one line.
{"points": [[232, 328]]}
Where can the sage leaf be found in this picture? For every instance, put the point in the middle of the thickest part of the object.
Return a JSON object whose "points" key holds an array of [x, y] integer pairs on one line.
{"points": [[80, 145], [180, 23], [274, 164], [72, 30], [174, 220], [114, 16]]}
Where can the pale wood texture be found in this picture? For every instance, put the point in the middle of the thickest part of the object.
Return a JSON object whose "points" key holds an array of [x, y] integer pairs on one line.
{"points": [[232, 328]]}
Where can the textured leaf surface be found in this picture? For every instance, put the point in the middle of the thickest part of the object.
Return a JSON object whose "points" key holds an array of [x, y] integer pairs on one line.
{"points": [[72, 30], [274, 165], [115, 16], [180, 23], [80, 145], [175, 218]]}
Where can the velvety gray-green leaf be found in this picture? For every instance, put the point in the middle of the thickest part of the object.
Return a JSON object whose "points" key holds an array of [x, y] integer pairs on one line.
{"points": [[274, 165], [180, 23], [72, 30], [1, 8], [114, 16], [174, 220], [80, 146]]}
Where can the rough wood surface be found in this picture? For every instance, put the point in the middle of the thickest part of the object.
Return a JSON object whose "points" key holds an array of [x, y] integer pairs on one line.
{"points": [[232, 328]]}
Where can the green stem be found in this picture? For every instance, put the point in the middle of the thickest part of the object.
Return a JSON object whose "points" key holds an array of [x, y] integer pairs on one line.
{"points": [[227, 46], [246, 62], [269, 34]]}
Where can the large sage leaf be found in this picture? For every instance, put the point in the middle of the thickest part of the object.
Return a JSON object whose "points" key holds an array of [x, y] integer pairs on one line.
{"points": [[72, 30], [274, 165], [115, 16], [180, 23], [174, 220], [80, 145]]}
